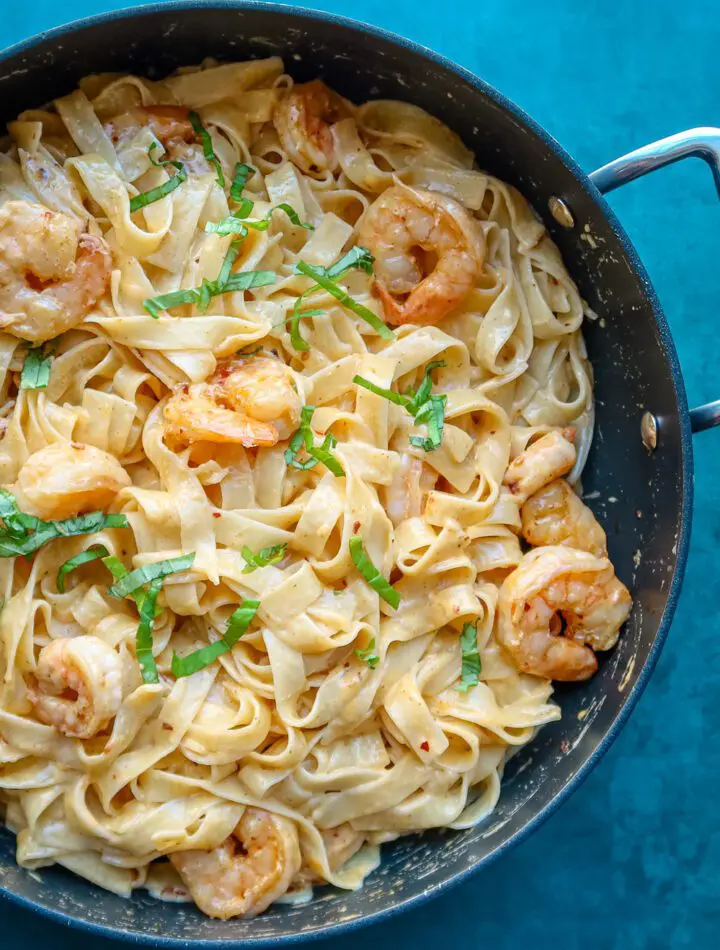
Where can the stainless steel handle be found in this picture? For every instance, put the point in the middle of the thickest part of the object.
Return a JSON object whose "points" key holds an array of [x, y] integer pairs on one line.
{"points": [[701, 143]]}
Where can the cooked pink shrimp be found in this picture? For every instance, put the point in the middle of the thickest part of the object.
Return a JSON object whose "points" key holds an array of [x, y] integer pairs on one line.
{"points": [[541, 462], [51, 275], [427, 249], [68, 478], [302, 120], [555, 515], [250, 402], [406, 493], [248, 871], [79, 685], [170, 124], [555, 582]]}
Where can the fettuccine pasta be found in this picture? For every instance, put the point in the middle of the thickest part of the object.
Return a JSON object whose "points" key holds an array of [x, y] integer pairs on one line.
{"points": [[288, 389]]}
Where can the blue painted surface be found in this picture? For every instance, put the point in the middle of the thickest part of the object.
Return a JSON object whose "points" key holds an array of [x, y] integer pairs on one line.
{"points": [[633, 859]]}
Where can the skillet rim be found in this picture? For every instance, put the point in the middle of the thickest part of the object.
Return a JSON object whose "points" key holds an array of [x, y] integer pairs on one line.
{"points": [[667, 345]]}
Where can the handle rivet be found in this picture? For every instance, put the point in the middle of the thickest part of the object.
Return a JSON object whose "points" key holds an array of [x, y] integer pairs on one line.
{"points": [[561, 212], [649, 431]]}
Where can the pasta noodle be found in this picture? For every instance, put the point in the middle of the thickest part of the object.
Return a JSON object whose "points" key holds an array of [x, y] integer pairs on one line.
{"points": [[296, 368]]}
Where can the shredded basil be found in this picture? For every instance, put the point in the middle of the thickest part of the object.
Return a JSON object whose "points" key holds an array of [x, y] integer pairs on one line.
{"points": [[130, 582], [238, 624], [143, 637], [269, 555], [229, 225], [426, 408], [93, 553], [24, 534], [356, 257], [228, 261], [155, 194], [304, 437], [245, 280], [207, 146], [368, 655], [471, 667], [36, 368], [248, 279], [371, 574], [17, 523], [237, 223], [240, 176], [345, 300]]}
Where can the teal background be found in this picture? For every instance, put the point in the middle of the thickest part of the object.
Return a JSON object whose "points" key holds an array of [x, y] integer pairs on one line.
{"points": [[633, 859]]}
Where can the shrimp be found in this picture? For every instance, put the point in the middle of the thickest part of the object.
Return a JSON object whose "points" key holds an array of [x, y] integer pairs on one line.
{"points": [[51, 275], [248, 871], [79, 685], [170, 124], [541, 462], [426, 246], [302, 120], [555, 515], [250, 402], [406, 493], [68, 478], [554, 584]]}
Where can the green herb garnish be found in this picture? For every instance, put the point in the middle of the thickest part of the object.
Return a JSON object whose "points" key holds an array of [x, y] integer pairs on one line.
{"points": [[24, 534], [240, 620], [207, 146], [143, 637], [237, 223], [36, 368], [93, 553], [240, 176], [470, 672], [269, 555], [304, 437], [167, 187], [344, 299], [356, 257], [133, 580], [202, 295], [368, 655], [426, 409], [371, 574]]}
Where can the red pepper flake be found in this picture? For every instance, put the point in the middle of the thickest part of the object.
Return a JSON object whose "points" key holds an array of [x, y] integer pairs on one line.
{"points": [[425, 746], [217, 514]]}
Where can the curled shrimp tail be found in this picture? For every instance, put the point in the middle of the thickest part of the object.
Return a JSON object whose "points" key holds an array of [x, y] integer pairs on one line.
{"points": [[429, 253], [553, 586], [248, 871]]}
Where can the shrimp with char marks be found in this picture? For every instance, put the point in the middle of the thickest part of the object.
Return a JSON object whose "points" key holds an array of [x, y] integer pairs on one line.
{"points": [[556, 515], [78, 685], [250, 402], [248, 871], [51, 275], [555, 584], [302, 120], [428, 253], [548, 458]]}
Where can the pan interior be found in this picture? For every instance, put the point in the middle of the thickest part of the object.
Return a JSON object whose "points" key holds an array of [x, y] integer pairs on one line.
{"points": [[642, 499]]}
